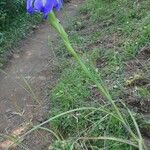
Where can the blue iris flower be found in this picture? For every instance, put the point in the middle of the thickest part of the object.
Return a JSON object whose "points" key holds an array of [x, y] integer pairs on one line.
{"points": [[43, 6]]}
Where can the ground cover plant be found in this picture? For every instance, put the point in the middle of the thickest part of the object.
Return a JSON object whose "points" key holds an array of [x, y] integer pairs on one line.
{"points": [[113, 39]]}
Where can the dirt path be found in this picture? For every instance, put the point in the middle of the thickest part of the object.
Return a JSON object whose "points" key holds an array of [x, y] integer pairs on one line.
{"points": [[25, 83]]}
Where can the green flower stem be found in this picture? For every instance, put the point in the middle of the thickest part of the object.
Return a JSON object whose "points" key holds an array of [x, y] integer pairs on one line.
{"points": [[55, 23]]}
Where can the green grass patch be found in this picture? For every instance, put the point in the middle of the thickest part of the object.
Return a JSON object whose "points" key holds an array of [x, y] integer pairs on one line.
{"points": [[109, 35]]}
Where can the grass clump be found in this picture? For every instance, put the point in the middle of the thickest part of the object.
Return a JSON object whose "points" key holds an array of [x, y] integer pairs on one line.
{"points": [[73, 91], [114, 35]]}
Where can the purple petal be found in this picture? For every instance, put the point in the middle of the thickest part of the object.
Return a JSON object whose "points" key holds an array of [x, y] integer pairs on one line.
{"points": [[29, 7], [58, 4], [44, 6], [38, 5]]}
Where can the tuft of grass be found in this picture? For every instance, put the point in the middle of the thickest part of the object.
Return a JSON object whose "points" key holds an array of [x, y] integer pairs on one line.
{"points": [[109, 35], [114, 35]]}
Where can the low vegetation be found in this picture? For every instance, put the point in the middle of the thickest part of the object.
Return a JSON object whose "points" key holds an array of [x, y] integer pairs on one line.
{"points": [[112, 37]]}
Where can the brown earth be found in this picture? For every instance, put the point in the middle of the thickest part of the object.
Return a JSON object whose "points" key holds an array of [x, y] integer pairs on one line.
{"points": [[25, 85]]}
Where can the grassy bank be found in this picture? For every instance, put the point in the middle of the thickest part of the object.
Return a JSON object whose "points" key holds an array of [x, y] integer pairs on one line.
{"points": [[113, 40]]}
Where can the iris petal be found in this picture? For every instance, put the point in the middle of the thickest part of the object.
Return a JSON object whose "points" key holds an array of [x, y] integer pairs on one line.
{"points": [[44, 6], [38, 5], [30, 8], [48, 7], [58, 4]]}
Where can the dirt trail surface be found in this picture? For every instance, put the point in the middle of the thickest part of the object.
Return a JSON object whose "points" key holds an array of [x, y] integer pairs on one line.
{"points": [[25, 83]]}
